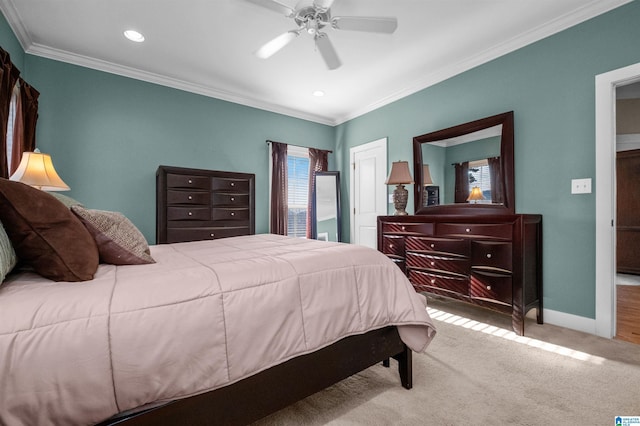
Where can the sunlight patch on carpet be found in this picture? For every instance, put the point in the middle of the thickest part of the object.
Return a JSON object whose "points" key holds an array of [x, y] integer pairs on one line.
{"points": [[474, 325]]}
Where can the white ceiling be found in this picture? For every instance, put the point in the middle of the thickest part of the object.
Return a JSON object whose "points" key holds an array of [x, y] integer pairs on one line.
{"points": [[206, 46]]}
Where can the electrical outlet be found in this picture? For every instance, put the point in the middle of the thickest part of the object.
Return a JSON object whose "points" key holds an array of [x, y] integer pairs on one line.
{"points": [[581, 186], [390, 198]]}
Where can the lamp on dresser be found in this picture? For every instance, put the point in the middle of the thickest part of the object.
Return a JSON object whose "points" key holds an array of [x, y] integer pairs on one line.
{"points": [[36, 169], [400, 176]]}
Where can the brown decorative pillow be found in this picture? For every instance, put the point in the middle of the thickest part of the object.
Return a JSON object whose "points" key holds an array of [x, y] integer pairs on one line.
{"points": [[45, 234], [119, 241]]}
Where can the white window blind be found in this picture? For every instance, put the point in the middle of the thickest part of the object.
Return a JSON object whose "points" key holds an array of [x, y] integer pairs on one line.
{"points": [[298, 188], [479, 176]]}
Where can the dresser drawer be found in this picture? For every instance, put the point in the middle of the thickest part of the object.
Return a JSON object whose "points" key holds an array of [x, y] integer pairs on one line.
{"points": [[229, 214], [188, 213], [188, 197], [175, 235], [459, 265], [495, 230], [492, 287], [393, 245], [458, 246], [407, 228], [188, 181], [492, 254], [229, 184], [221, 198], [422, 280]]}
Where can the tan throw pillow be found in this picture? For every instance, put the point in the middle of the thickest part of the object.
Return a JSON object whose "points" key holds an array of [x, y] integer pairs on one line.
{"points": [[7, 254], [119, 241], [45, 234]]}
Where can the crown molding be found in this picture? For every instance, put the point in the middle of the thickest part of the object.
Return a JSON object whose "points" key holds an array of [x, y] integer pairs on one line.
{"points": [[588, 11]]}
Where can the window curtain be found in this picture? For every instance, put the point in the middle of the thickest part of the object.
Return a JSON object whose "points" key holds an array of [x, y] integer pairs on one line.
{"points": [[24, 129], [279, 192], [462, 182], [8, 78], [318, 162], [495, 174]]}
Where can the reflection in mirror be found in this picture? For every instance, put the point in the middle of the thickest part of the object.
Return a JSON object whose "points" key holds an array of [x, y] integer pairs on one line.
{"points": [[326, 206], [461, 158]]}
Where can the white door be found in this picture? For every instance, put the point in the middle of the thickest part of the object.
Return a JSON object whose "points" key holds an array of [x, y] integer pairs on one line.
{"points": [[368, 197]]}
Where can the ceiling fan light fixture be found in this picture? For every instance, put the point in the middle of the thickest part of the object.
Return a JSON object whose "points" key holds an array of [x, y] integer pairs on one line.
{"points": [[276, 44], [134, 35]]}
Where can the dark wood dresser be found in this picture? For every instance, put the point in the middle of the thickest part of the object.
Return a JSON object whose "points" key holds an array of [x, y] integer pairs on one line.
{"points": [[490, 260], [195, 204]]}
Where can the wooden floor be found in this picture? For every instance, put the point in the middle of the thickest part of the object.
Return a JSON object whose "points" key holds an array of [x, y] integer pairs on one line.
{"points": [[628, 313]]}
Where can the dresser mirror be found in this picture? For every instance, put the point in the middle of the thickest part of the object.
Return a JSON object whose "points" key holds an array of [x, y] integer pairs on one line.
{"points": [[469, 165], [325, 212]]}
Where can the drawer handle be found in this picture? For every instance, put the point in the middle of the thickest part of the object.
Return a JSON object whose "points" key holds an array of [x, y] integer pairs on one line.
{"points": [[403, 228], [212, 235], [468, 230], [489, 287], [390, 246], [190, 197], [233, 213], [488, 255], [233, 184], [190, 214], [233, 198], [433, 245], [433, 281], [190, 181], [433, 263]]}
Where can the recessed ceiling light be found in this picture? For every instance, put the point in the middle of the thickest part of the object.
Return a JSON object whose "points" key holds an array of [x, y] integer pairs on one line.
{"points": [[318, 93], [134, 36]]}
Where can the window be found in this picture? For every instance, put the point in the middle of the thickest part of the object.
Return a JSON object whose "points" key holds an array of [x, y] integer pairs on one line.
{"points": [[11, 121], [479, 176], [298, 190]]}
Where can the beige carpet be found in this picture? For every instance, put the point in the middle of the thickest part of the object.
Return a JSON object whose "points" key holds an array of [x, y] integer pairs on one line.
{"points": [[477, 372]]}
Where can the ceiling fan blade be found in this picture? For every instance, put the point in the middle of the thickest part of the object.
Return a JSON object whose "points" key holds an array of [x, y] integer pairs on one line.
{"points": [[363, 23], [322, 4], [274, 6], [271, 47], [327, 51]]}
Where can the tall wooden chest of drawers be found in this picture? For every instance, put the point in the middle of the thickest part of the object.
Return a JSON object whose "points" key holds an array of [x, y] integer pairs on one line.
{"points": [[195, 204], [494, 261]]}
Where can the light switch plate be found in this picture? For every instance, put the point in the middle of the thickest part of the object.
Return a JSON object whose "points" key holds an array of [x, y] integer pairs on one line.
{"points": [[581, 186]]}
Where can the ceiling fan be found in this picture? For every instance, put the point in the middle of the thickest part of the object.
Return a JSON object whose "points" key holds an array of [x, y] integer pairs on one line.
{"points": [[315, 17]]}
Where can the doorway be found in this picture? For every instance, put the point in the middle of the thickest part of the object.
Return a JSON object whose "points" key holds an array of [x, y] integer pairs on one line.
{"points": [[606, 89], [368, 194]]}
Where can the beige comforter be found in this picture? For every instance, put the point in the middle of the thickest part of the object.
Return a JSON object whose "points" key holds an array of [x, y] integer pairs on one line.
{"points": [[205, 315]]}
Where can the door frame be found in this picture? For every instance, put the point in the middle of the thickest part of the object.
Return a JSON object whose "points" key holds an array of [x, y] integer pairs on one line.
{"points": [[378, 143], [605, 187]]}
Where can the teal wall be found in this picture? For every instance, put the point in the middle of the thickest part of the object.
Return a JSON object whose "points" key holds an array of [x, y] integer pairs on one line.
{"points": [[550, 86], [108, 134]]}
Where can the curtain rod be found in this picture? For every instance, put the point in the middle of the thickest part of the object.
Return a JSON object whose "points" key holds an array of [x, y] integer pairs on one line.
{"points": [[329, 151]]}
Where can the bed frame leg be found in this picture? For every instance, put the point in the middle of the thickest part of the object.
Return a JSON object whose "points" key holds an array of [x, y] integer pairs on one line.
{"points": [[405, 367]]}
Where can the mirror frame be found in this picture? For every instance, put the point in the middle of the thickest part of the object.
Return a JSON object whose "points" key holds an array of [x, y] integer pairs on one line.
{"points": [[314, 228], [506, 163]]}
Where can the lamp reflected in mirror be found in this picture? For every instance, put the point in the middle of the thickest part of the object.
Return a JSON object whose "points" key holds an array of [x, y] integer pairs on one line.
{"points": [[475, 195]]}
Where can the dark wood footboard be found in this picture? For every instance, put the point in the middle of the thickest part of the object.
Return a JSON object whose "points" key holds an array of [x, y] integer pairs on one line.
{"points": [[271, 390]]}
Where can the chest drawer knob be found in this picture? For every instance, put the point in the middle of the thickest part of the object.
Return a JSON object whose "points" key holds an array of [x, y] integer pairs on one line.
{"points": [[433, 280], [190, 214], [190, 181], [233, 184], [433, 263], [489, 287], [190, 197], [433, 245], [488, 255], [212, 235], [233, 198], [404, 228], [467, 230], [390, 246], [233, 213]]}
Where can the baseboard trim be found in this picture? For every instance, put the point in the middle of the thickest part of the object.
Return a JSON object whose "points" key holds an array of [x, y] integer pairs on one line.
{"points": [[574, 322]]}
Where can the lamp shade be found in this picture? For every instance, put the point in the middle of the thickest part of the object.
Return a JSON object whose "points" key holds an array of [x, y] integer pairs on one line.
{"points": [[426, 176], [475, 194], [399, 174], [36, 169]]}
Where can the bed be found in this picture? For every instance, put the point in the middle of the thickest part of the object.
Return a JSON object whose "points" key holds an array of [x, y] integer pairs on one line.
{"points": [[211, 332]]}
